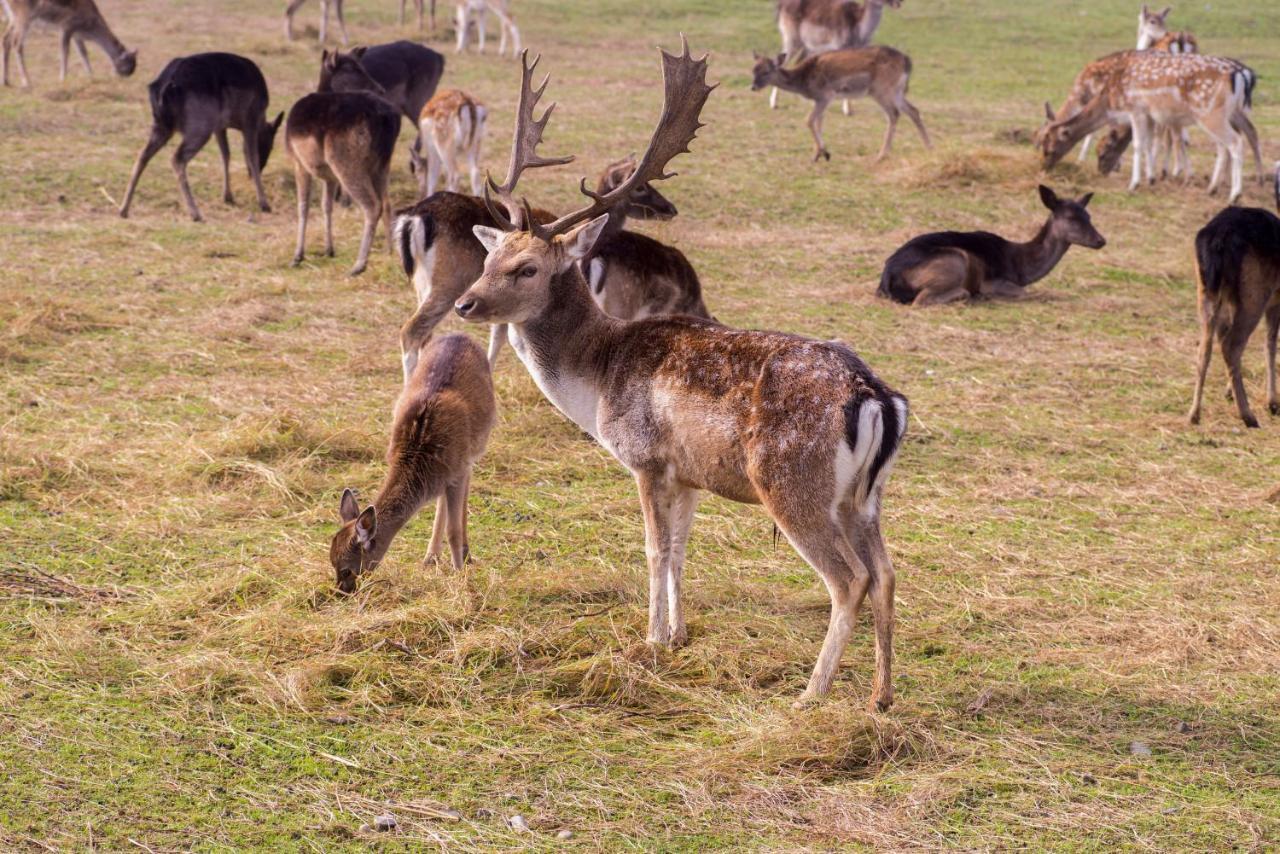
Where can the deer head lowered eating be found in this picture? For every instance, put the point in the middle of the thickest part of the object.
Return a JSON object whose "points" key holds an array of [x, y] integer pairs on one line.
{"points": [[800, 426]]}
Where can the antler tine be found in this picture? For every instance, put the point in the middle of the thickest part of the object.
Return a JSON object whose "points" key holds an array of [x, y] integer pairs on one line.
{"points": [[524, 144], [685, 94]]}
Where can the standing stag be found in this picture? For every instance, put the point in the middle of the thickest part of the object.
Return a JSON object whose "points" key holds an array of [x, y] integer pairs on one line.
{"points": [[201, 96], [77, 20], [453, 125], [442, 423], [801, 426], [881, 72], [817, 26], [293, 6], [472, 15]]}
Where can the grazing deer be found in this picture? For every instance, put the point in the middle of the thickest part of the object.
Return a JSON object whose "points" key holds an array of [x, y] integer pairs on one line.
{"points": [[949, 265], [294, 5], [631, 275], [201, 96], [453, 125], [471, 15], [1238, 262], [418, 4], [817, 26], [801, 426], [442, 423], [881, 72], [345, 139], [78, 21]]}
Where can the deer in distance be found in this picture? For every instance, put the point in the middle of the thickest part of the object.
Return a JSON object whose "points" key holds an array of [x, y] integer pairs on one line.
{"points": [[419, 4], [453, 125], [78, 21], [472, 16], [946, 266], [293, 6], [441, 425], [816, 26], [801, 426], [630, 274], [200, 96], [345, 139], [881, 72]]}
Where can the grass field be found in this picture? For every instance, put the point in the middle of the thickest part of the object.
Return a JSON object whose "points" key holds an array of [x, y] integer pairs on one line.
{"points": [[1089, 589]]}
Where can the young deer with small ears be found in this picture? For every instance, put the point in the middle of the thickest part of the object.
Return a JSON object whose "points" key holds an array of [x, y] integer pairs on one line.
{"points": [[801, 426]]}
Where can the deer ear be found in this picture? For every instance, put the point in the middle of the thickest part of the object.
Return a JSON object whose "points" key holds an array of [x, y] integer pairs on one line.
{"points": [[489, 237], [276, 124], [1048, 112], [358, 52], [1165, 13], [1049, 197], [366, 527], [1085, 199], [578, 242], [1144, 10], [781, 60], [348, 509]]}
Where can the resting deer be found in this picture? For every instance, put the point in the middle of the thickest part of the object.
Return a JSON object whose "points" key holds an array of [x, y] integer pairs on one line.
{"points": [[949, 265], [801, 426], [1238, 265], [817, 26], [881, 72], [78, 21], [201, 96], [471, 15], [630, 275], [293, 6], [453, 125], [442, 423], [345, 139]]}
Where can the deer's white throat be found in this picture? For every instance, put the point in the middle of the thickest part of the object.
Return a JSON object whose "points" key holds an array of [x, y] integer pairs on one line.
{"points": [[576, 397]]}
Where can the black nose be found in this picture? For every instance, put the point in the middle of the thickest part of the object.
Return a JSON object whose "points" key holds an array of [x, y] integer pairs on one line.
{"points": [[465, 308]]}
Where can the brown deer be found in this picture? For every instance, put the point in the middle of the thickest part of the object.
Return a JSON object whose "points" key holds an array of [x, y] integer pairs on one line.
{"points": [[201, 96], [881, 72], [442, 423], [78, 21], [801, 426], [1238, 266], [345, 139], [472, 14], [293, 6], [817, 26], [949, 265], [1154, 34], [453, 124]]}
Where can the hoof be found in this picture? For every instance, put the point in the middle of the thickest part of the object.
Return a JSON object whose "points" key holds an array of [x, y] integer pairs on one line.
{"points": [[229, 199], [805, 701], [264, 207], [1193, 419], [880, 705], [679, 637], [1274, 407], [197, 218], [1250, 421], [356, 270], [296, 262], [329, 253], [124, 214]]}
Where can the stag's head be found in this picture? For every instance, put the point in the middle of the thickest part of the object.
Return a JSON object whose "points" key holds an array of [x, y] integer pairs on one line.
{"points": [[349, 551], [345, 72], [1151, 26], [644, 202], [1070, 220], [766, 70], [526, 260]]}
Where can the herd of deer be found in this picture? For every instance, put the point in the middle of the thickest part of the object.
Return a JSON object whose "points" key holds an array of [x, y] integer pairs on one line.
{"points": [[611, 324]]}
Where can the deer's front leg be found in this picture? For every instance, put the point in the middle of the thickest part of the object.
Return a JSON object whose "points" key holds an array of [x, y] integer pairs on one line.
{"points": [[656, 499], [815, 127], [685, 503]]}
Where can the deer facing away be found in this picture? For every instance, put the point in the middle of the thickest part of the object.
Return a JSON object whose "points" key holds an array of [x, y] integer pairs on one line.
{"points": [[801, 426], [472, 15], [77, 20], [441, 425], [453, 125]]}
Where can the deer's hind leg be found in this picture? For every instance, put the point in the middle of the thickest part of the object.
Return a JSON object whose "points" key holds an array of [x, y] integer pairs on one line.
{"points": [[438, 530], [224, 149], [947, 277], [159, 136], [1273, 332], [914, 114], [866, 538]]}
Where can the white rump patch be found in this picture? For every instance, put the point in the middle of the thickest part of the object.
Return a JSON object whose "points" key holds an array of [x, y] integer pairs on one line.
{"points": [[850, 464]]}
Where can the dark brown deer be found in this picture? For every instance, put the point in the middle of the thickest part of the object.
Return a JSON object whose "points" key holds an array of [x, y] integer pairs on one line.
{"points": [[201, 96], [406, 72], [801, 426], [77, 20], [949, 265], [346, 140], [292, 7], [442, 423], [817, 26]]}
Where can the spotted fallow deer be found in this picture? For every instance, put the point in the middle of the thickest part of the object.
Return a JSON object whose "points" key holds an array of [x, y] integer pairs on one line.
{"points": [[472, 15], [817, 26], [801, 426], [442, 423], [292, 7], [77, 20], [453, 124], [881, 72]]}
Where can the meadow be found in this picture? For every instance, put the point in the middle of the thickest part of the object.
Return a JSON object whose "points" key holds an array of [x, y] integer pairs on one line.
{"points": [[1088, 588]]}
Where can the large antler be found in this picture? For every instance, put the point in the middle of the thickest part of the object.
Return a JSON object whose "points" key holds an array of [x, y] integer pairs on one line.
{"points": [[686, 92], [524, 147]]}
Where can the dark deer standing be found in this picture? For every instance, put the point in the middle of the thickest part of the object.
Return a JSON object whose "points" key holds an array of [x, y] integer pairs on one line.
{"points": [[201, 96], [442, 423], [78, 21]]}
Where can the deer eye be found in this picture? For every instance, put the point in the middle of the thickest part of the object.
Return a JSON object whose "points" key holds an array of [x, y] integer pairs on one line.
{"points": [[527, 272]]}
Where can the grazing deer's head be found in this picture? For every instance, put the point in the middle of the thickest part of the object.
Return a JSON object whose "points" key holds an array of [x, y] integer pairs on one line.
{"points": [[1112, 148], [418, 168], [1151, 25], [1071, 221], [126, 62], [1059, 135], [766, 70], [350, 548], [267, 139], [645, 202], [344, 72], [526, 258]]}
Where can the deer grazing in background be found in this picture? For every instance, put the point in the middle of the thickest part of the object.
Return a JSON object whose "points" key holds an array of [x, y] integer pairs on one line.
{"points": [[881, 72], [293, 6], [418, 4], [453, 125], [406, 72], [817, 26], [801, 426], [949, 265], [471, 15], [442, 423], [77, 20], [631, 275], [201, 96], [346, 140]]}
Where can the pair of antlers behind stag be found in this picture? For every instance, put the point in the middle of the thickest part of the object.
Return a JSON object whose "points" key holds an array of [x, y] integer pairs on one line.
{"points": [[686, 92]]}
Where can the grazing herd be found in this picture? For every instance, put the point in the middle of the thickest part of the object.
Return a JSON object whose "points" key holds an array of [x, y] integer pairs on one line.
{"points": [[611, 324]]}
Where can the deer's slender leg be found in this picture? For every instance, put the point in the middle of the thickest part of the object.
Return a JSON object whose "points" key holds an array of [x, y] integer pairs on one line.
{"points": [[914, 114], [1233, 343], [20, 46], [815, 127], [192, 142], [462, 28], [328, 192], [250, 144], [224, 149], [302, 179], [457, 500], [64, 54], [159, 136], [890, 113], [342, 21], [365, 194], [473, 166], [481, 21], [4, 53], [84, 56], [438, 530], [289, 12], [384, 186], [1218, 163], [866, 533], [1084, 148], [1208, 325], [656, 498], [418, 328], [1273, 332], [1140, 128], [686, 501]]}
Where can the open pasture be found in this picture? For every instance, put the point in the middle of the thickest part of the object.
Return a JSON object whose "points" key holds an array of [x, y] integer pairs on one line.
{"points": [[1088, 588]]}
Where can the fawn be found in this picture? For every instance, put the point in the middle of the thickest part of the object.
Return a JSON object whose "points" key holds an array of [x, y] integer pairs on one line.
{"points": [[817, 26], [452, 124]]}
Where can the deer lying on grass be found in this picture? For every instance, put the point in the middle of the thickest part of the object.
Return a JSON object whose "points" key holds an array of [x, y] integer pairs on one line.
{"points": [[471, 15], [201, 96], [345, 139], [949, 265], [631, 275], [453, 125], [1238, 262], [817, 26], [78, 20], [881, 72], [442, 423], [293, 6], [801, 426]]}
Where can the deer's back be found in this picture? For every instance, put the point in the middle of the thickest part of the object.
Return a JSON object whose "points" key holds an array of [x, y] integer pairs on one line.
{"points": [[407, 71], [646, 277], [224, 78], [362, 120], [447, 407], [854, 67]]}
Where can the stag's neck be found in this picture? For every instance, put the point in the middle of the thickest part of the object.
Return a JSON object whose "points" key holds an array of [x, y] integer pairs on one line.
{"points": [[1036, 258], [869, 21], [395, 506]]}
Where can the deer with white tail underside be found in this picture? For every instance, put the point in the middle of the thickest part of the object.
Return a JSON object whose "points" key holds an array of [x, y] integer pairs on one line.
{"points": [[77, 20], [801, 426], [452, 125]]}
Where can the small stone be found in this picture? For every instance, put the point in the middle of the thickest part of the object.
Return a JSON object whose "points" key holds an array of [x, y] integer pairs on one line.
{"points": [[384, 823], [1139, 748], [565, 834], [518, 824], [1088, 779], [1183, 727]]}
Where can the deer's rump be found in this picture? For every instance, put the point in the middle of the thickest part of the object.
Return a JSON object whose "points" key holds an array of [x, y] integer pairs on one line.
{"points": [[322, 114], [203, 75], [1232, 235], [987, 248]]}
